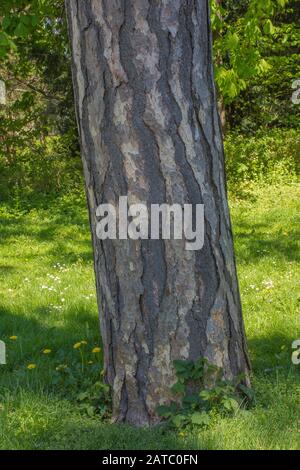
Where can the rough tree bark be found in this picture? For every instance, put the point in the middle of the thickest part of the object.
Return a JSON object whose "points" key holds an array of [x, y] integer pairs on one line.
{"points": [[149, 129]]}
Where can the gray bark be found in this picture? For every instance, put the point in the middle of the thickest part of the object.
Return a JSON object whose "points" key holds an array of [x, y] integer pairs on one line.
{"points": [[149, 129]]}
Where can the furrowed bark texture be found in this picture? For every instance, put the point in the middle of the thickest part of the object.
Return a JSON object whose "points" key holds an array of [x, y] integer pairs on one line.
{"points": [[149, 129]]}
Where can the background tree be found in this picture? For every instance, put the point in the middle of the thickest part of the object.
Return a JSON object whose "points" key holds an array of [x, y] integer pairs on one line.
{"points": [[149, 129]]}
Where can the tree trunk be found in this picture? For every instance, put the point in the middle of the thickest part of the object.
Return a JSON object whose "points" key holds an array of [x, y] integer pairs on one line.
{"points": [[218, 61], [149, 129]]}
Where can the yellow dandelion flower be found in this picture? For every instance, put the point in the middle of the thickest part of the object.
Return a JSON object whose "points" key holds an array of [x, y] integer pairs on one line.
{"points": [[61, 367], [83, 342], [13, 338], [96, 350], [31, 366], [47, 351], [77, 345]]}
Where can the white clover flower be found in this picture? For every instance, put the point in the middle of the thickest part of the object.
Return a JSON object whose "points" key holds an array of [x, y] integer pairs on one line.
{"points": [[268, 284]]}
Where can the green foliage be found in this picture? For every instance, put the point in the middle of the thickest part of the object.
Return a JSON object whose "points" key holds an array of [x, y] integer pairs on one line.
{"points": [[96, 400], [82, 380], [266, 158], [266, 103], [39, 151], [37, 171], [240, 29], [19, 20], [201, 391]]}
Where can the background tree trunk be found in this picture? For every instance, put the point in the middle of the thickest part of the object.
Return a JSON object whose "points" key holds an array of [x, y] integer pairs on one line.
{"points": [[149, 129]]}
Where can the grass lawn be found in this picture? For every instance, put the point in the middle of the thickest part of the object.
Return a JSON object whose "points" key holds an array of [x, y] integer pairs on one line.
{"points": [[47, 305]]}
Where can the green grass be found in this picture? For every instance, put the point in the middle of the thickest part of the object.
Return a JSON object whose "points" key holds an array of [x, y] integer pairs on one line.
{"points": [[47, 300]]}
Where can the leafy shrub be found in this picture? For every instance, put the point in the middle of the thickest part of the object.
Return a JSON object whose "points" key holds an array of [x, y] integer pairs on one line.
{"points": [[46, 168], [201, 392], [265, 158]]}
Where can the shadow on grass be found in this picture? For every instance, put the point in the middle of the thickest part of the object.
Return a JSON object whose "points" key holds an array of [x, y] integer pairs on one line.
{"points": [[107, 436], [253, 242], [6, 269], [269, 353], [34, 330], [69, 239]]}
